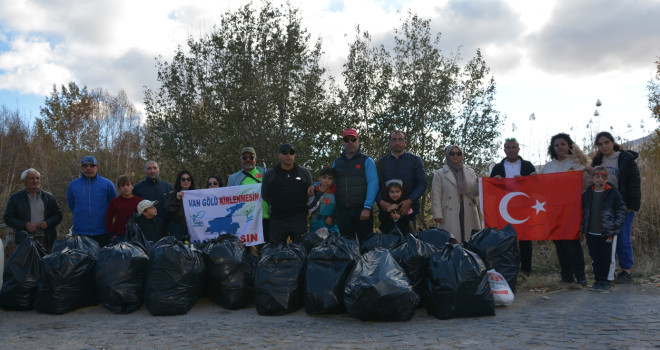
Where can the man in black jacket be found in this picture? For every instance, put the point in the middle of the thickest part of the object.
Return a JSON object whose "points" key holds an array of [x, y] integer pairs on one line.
{"points": [[285, 189], [34, 211], [514, 166]]}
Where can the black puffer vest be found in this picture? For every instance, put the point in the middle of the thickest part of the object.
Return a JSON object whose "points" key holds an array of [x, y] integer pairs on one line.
{"points": [[351, 180]]}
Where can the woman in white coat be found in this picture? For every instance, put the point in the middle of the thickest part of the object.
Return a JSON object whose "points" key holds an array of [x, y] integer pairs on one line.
{"points": [[454, 196]]}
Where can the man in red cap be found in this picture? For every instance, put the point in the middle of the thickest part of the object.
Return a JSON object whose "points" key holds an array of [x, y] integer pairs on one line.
{"points": [[357, 185]]}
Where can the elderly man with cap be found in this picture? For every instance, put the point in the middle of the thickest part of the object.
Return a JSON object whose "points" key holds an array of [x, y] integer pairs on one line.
{"points": [[88, 198], [34, 211], [153, 188], [252, 174], [357, 185], [285, 188]]}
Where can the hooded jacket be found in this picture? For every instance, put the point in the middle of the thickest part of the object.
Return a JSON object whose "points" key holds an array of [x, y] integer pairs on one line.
{"points": [[612, 210]]}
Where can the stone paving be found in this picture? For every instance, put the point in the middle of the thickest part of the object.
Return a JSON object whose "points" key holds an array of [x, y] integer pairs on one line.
{"points": [[628, 318]]}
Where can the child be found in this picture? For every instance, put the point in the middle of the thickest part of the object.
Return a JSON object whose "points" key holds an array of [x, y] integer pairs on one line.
{"points": [[322, 204], [603, 214], [121, 208], [153, 227], [395, 193]]}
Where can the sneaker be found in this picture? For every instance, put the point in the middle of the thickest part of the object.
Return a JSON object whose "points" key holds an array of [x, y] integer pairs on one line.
{"points": [[623, 277], [605, 287], [582, 281]]}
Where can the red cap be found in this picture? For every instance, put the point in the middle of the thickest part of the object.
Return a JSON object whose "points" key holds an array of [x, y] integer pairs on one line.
{"points": [[349, 132]]}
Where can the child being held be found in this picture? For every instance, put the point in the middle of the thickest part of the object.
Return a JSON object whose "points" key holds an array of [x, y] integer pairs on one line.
{"points": [[121, 208], [153, 227], [603, 214], [396, 192], [322, 204]]}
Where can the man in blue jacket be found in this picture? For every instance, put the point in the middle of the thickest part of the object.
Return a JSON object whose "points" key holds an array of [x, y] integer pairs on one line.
{"points": [[88, 198]]}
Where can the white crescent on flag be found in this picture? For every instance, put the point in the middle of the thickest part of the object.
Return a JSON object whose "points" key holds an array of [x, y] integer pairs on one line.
{"points": [[504, 204]]}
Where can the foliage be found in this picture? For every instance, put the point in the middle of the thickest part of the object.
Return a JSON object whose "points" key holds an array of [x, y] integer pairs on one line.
{"points": [[654, 92], [255, 80]]}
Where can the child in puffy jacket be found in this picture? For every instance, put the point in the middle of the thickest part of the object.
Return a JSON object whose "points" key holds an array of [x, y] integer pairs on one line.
{"points": [[603, 214]]}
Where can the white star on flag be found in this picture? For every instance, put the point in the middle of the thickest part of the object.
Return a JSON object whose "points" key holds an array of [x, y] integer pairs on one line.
{"points": [[539, 206]]}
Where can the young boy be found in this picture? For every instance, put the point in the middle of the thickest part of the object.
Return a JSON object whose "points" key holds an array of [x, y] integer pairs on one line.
{"points": [[322, 204], [603, 214], [121, 208], [152, 226]]}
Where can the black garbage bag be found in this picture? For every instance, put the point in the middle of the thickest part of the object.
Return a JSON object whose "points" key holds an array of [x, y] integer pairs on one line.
{"points": [[313, 239], [227, 279], [457, 284], [328, 265], [21, 275], [378, 289], [435, 236], [134, 234], [499, 250], [66, 282], [175, 277], [278, 285], [381, 240], [120, 273], [78, 242], [413, 256]]}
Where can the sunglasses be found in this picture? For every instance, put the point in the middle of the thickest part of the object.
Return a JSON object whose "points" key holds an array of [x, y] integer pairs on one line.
{"points": [[455, 154], [215, 183], [247, 157], [288, 152], [187, 179], [350, 139], [87, 165]]}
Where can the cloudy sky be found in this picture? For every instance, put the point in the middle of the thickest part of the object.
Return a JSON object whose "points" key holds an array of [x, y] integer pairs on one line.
{"points": [[550, 58]]}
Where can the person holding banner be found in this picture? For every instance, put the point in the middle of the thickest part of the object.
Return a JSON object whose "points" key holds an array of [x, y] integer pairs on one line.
{"points": [[511, 167], [567, 156], [624, 174], [174, 205], [285, 189], [454, 194], [252, 174]]}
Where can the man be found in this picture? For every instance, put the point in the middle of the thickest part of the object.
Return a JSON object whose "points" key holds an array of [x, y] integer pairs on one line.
{"points": [[399, 164], [153, 188], [33, 210], [252, 174], [88, 197], [357, 185], [511, 167], [285, 189]]}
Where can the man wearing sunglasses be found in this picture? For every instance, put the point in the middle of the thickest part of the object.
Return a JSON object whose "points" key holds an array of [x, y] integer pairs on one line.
{"points": [[88, 198], [153, 188], [510, 167], [285, 189], [248, 175], [399, 164], [357, 185]]}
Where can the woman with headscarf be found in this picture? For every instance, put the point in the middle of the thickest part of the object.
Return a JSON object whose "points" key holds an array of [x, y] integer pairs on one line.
{"points": [[454, 196], [567, 156], [174, 205]]}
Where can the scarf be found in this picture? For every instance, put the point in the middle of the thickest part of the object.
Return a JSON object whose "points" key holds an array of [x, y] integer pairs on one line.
{"points": [[456, 169]]}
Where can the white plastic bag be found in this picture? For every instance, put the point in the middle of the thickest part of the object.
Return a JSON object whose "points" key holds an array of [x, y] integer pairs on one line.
{"points": [[502, 294]]}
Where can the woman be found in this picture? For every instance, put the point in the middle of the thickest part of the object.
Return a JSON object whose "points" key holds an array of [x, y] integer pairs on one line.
{"points": [[454, 196], [623, 173], [567, 156], [213, 182], [174, 205]]}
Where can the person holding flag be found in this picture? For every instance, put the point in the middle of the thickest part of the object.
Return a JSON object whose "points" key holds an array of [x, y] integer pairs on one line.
{"points": [[567, 156]]}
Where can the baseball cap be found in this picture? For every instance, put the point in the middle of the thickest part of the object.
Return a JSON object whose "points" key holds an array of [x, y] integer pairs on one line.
{"points": [[349, 132], [144, 205], [248, 150]]}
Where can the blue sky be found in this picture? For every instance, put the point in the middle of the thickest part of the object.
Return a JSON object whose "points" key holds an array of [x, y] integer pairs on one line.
{"points": [[550, 58]]}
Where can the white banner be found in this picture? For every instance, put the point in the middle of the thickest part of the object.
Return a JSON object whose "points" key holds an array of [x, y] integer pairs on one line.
{"points": [[233, 210]]}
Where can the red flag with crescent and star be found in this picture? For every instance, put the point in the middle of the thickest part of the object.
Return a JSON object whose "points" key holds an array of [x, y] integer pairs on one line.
{"points": [[541, 207]]}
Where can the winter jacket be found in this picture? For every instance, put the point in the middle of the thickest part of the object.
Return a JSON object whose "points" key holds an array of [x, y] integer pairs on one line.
{"points": [[612, 210], [408, 168], [446, 204], [17, 213], [295, 202], [89, 199], [356, 180], [629, 183], [154, 191]]}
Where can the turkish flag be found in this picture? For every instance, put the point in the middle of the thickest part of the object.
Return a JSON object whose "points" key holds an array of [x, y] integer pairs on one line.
{"points": [[540, 207]]}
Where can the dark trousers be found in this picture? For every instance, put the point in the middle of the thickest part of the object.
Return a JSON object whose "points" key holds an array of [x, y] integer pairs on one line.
{"points": [[525, 256], [350, 225], [102, 239], [571, 259], [601, 256], [294, 226]]}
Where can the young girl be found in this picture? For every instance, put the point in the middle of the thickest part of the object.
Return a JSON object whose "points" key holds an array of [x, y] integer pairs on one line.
{"points": [[395, 192]]}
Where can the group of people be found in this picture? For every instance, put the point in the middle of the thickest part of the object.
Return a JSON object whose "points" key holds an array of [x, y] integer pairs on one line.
{"points": [[342, 200]]}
